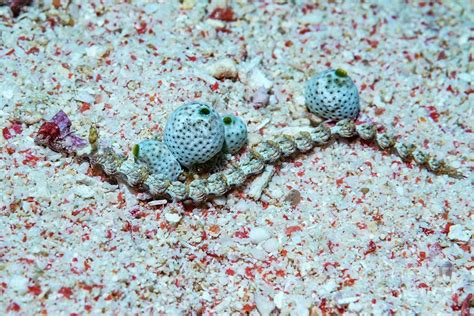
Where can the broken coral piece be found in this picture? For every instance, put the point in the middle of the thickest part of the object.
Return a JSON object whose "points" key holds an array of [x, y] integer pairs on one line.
{"points": [[16, 5], [56, 134]]}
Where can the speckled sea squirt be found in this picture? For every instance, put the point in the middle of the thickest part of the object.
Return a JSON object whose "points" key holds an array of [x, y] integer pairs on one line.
{"points": [[332, 95], [235, 133], [194, 133]]}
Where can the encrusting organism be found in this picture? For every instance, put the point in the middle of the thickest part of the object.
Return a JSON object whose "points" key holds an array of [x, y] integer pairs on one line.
{"points": [[195, 133]]}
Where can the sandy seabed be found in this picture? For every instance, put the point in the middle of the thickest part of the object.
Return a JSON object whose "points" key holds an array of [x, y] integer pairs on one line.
{"points": [[341, 229]]}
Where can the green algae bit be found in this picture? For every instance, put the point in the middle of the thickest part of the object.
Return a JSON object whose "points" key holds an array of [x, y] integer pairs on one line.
{"points": [[136, 151], [93, 138], [341, 73], [227, 120], [204, 111]]}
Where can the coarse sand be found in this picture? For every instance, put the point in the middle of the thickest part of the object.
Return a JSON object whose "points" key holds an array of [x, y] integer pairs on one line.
{"points": [[341, 229]]}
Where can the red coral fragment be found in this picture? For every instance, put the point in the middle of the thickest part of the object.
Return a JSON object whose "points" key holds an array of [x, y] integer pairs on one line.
{"points": [[30, 160], [85, 107], [330, 264], [446, 228], [17, 128], [304, 31], [290, 230], [35, 290], [13, 307], [433, 113], [372, 248], [465, 305], [142, 28], [56, 134], [434, 116], [223, 14], [66, 292], [33, 50], [17, 5], [427, 231], [215, 86], [49, 131], [6, 133], [248, 273], [248, 308], [442, 55]]}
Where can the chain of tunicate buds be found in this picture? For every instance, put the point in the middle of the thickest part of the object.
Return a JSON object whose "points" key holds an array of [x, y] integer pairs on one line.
{"points": [[137, 175]]}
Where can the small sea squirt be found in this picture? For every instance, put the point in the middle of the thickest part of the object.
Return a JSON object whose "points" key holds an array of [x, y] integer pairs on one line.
{"points": [[158, 158], [235, 133]]}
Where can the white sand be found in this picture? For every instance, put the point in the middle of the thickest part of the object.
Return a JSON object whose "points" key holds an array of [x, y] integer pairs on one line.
{"points": [[371, 234]]}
